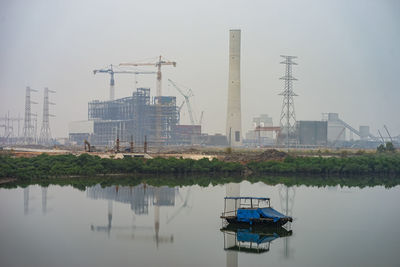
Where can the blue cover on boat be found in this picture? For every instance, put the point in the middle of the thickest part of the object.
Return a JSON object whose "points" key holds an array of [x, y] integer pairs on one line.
{"points": [[245, 215], [271, 213], [244, 235]]}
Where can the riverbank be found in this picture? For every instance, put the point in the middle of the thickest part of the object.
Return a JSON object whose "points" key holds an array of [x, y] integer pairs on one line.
{"points": [[82, 183], [47, 166]]}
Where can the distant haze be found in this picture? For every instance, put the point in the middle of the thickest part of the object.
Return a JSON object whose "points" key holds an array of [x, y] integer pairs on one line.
{"points": [[348, 54]]}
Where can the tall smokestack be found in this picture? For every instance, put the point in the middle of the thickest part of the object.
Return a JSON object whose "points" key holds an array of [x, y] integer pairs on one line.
{"points": [[234, 116]]}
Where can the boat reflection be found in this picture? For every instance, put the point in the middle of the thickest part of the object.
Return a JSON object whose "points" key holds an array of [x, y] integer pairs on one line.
{"points": [[255, 239]]}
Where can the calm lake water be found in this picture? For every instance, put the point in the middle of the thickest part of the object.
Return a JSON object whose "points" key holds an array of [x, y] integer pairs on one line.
{"points": [[144, 225]]}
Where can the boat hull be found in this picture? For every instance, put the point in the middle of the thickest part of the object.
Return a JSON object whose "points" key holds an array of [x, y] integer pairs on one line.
{"points": [[257, 222]]}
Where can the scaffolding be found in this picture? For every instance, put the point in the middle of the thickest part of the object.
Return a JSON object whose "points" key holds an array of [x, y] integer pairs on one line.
{"points": [[133, 117]]}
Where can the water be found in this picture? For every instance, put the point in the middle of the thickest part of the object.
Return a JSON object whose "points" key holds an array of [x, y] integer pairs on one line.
{"points": [[180, 226]]}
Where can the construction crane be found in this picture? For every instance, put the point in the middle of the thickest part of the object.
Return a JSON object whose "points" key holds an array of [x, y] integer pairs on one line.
{"points": [[110, 70], [186, 96], [391, 140], [158, 65], [180, 106]]}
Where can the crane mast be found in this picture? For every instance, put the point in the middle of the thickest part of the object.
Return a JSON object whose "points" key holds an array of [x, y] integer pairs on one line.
{"points": [[387, 130]]}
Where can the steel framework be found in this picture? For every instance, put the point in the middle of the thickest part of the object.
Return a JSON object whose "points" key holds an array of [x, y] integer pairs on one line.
{"points": [[45, 132], [29, 128], [288, 115], [134, 118], [10, 135]]}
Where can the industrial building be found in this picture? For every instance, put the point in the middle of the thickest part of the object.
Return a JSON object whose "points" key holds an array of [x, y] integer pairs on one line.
{"points": [[336, 129], [186, 134], [256, 137], [130, 118], [313, 133]]}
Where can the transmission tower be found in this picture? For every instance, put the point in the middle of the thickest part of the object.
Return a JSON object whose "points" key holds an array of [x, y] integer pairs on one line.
{"points": [[45, 133], [10, 134], [288, 116], [29, 128]]}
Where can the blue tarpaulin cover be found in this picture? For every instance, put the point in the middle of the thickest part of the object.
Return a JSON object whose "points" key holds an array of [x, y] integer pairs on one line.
{"points": [[244, 235], [245, 215], [271, 213]]}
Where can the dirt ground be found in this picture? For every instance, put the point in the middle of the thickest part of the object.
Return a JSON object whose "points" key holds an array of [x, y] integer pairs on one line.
{"points": [[269, 154]]}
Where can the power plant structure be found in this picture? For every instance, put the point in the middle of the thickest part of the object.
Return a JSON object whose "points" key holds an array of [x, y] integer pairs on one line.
{"points": [[234, 115], [312, 133], [134, 116], [141, 119], [158, 64]]}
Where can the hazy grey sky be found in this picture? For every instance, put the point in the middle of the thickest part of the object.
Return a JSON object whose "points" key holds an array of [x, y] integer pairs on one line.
{"points": [[348, 55]]}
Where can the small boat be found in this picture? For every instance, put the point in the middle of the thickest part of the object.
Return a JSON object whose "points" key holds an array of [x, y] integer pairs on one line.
{"points": [[252, 211]]}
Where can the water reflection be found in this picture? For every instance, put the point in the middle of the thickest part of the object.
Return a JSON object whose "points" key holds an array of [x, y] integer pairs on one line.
{"points": [[286, 196], [139, 197], [258, 239], [251, 239], [232, 190], [150, 226], [27, 198]]}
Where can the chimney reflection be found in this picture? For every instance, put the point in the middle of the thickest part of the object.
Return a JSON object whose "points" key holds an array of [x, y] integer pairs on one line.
{"points": [[232, 190], [44, 200], [26, 200]]}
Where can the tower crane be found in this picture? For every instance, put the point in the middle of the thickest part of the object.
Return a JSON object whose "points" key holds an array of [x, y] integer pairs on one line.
{"points": [[186, 96], [110, 70], [157, 64]]}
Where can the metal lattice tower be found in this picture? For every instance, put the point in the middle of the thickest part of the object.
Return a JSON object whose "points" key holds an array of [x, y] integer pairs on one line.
{"points": [[288, 116], [11, 133], [29, 127], [45, 133]]}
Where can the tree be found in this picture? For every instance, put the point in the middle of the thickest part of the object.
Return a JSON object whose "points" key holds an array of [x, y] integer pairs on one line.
{"points": [[390, 147]]}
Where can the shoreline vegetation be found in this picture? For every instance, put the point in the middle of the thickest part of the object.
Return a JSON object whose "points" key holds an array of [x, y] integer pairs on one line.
{"points": [[81, 183], [55, 166]]}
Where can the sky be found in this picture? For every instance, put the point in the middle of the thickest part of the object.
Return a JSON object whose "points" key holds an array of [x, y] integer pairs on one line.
{"points": [[348, 56]]}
